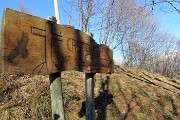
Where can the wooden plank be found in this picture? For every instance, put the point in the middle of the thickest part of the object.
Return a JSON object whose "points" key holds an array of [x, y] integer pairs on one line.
{"points": [[32, 45]]}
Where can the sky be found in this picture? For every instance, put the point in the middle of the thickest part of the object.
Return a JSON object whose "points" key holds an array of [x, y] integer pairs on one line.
{"points": [[44, 8], [169, 21]]}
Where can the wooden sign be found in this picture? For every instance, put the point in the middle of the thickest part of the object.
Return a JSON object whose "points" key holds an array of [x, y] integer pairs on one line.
{"points": [[32, 45]]}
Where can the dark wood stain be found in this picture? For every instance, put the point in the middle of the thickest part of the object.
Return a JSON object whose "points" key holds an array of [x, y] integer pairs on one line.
{"points": [[20, 49]]}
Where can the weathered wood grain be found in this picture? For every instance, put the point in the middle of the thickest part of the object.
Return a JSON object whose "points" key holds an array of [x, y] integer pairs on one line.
{"points": [[32, 45]]}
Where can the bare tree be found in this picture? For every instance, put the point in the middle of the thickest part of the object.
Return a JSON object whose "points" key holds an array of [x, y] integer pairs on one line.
{"points": [[23, 8], [151, 4], [123, 25]]}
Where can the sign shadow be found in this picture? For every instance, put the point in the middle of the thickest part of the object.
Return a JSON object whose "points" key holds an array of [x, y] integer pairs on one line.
{"points": [[101, 102]]}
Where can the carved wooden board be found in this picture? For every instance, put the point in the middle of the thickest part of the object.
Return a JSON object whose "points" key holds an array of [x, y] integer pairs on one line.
{"points": [[32, 45]]}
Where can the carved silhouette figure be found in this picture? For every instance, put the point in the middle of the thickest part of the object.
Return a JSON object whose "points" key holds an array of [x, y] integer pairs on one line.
{"points": [[20, 48]]}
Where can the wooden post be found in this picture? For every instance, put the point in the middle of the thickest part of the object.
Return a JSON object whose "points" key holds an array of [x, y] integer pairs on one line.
{"points": [[57, 103], [89, 84]]}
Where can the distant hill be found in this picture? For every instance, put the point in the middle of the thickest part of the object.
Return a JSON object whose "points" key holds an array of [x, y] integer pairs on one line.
{"points": [[119, 62], [129, 94]]}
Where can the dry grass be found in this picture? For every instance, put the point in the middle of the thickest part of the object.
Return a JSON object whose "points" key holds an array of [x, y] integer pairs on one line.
{"points": [[130, 94]]}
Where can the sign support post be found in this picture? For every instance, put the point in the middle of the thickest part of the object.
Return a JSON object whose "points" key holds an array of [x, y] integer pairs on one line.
{"points": [[57, 103], [89, 85]]}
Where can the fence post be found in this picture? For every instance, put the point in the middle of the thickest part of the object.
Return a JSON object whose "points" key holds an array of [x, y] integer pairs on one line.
{"points": [[89, 84]]}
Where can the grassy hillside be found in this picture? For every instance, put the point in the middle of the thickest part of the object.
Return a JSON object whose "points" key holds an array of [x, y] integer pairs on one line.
{"points": [[129, 94]]}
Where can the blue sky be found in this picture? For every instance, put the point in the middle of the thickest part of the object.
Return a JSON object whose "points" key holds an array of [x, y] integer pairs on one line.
{"points": [[43, 8], [40, 8], [169, 21]]}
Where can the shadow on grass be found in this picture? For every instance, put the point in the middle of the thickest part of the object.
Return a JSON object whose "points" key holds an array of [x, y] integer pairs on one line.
{"points": [[101, 102], [105, 98], [148, 81], [127, 101]]}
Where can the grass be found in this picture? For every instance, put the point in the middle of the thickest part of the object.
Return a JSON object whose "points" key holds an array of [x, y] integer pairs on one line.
{"points": [[130, 94]]}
